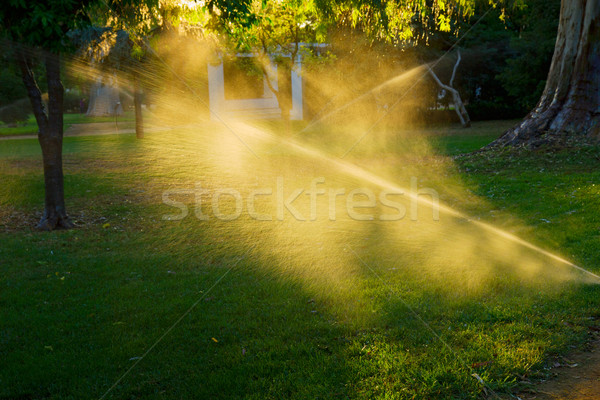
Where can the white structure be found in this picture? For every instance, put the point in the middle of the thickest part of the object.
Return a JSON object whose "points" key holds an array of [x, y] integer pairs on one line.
{"points": [[104, 98], [263, 106]]}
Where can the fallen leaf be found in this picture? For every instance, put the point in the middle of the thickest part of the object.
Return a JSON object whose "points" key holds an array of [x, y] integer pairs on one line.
{"points": [[481, 364]]}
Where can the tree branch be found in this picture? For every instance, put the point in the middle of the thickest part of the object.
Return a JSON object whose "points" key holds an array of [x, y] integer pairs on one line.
{"points": [[458, 104], [455, 69], [268, 78], [55, 95], [33, 91], [437, 80]]}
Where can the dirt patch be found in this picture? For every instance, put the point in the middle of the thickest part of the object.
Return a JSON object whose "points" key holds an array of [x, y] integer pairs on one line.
{"points": [[12, 220], [576, 377]]}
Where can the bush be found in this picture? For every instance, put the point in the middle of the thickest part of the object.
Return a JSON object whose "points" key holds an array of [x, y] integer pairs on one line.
{"points": [[491, 110], [15, 113], [71, 101], [11, 88]]}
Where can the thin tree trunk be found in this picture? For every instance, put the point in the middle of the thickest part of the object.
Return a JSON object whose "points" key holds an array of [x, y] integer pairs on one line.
{"points": [[281, 96], [50, 136], [285, 93], [570, 103], [137, 102]]}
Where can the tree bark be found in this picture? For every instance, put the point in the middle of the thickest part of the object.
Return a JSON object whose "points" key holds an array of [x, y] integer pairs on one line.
{"points": [[50, 136], [570, 103], [137, 102]]}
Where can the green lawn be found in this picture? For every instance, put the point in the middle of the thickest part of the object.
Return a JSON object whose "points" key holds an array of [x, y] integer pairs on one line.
{"points": [[329, 307]]}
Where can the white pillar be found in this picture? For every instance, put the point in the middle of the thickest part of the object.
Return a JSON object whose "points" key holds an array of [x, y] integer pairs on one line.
{"points": [[296, 111], [216, 89]]}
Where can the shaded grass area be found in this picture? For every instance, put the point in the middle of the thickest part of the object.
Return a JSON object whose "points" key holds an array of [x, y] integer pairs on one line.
{"points": [[30, 126], [328, 309], [554, 190]]}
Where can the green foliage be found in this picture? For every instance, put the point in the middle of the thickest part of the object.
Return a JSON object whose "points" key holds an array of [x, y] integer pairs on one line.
{"points": [[71, 100], [42, 23], [11, 87], [136, 16], [225, 14], [524, 75], [277, 26], [395, 21], [486, 51], [495, 109]]}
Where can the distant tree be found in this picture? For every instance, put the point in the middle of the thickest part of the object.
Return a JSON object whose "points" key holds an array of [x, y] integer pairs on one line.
{"points": [[128, 28], [118, 41], [109, 51]]}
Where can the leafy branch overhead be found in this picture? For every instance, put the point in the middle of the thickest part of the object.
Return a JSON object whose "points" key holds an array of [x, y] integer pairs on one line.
{"points": [[278, 26]]}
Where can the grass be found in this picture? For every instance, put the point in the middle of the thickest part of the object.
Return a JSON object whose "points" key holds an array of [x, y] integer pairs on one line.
{"points": [[288, 309], [30, 126]]}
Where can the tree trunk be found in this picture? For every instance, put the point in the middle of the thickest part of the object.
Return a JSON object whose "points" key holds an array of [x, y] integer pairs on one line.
{"points": [[284, 95], [50, 136], [137, 102], [570, 103]]}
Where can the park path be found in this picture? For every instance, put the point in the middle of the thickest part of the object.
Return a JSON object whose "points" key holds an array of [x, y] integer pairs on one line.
{"points": [[92, 129], [577, 378]]}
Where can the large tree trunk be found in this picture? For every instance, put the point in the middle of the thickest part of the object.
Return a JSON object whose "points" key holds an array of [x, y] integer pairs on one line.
{"points": [[137, 103], [570, 104], [50, 136]]}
